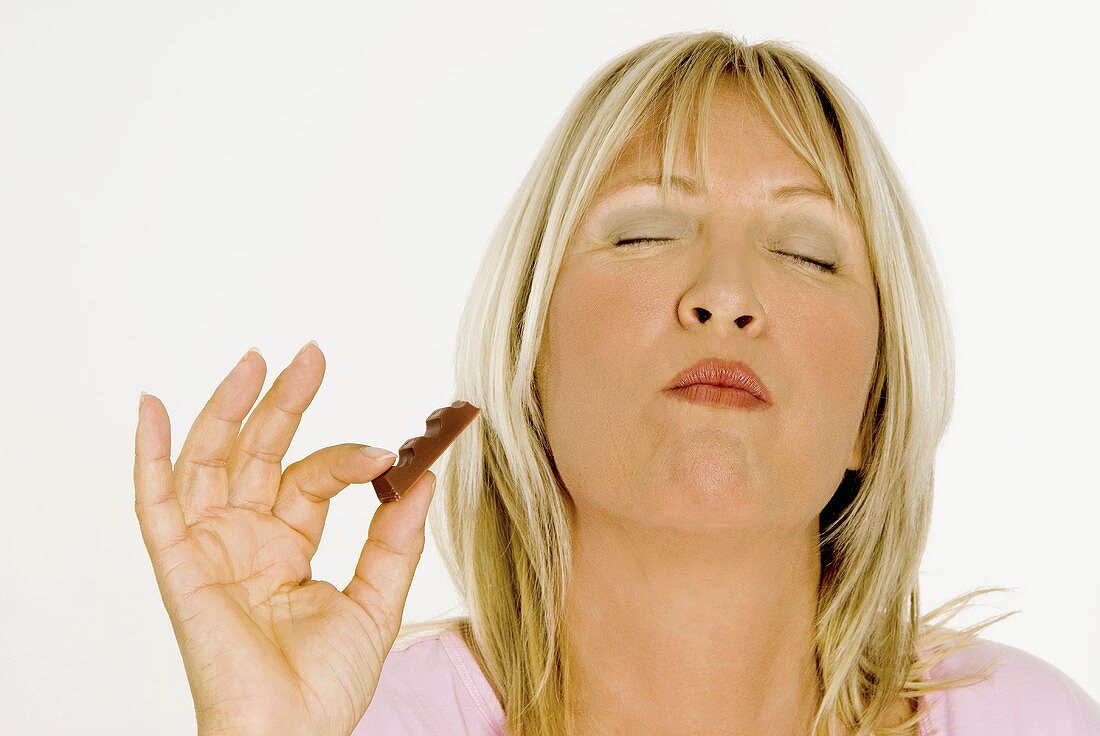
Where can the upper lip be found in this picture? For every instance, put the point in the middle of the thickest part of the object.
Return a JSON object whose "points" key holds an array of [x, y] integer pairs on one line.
{"points": [[722, 372]]}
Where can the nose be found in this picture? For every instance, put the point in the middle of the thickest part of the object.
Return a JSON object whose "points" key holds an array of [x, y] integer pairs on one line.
{"points": [[703, 314], [722, 295]]}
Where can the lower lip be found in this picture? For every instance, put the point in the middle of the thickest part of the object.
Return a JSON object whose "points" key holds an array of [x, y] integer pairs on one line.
{"points": [[721, 396]]}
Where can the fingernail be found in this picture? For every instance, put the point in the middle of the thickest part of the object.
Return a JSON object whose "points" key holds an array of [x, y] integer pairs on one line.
{"points": [[141, 401], [311, 342], [376, 452], [249, 353]]}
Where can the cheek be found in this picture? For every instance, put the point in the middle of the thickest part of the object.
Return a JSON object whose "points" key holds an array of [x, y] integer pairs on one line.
{"points": [[600, 317], [592, 395], [835, 351], [830, 342], [847, 351]]}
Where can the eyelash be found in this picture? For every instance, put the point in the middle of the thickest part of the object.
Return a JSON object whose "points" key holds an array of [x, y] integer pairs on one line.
{"points": [[820, 265]]}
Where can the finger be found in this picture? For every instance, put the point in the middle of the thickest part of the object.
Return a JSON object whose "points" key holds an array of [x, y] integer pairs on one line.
{"points": [[395, 542], [158, 510], [307, 485], [255, 460], [200, 473]]}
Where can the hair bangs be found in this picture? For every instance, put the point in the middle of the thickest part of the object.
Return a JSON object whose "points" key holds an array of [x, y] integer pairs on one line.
{"points": [[801, 109], [789, 92]]}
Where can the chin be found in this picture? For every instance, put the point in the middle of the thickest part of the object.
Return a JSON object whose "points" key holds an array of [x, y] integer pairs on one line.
{"points": [[706, 500]]}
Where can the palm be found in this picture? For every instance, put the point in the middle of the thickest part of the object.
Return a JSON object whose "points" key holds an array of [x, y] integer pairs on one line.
{"points": [[299, 654], [267, 649]]}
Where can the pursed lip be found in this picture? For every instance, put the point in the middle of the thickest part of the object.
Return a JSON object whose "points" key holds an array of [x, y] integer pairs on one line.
{"points": [[721, 372]]}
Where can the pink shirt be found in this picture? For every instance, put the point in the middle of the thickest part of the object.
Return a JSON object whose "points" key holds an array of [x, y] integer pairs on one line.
{"points": [[432, 686]]}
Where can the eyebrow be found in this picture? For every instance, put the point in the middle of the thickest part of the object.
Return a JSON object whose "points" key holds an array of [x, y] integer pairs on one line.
{"points": [[692, 189]]}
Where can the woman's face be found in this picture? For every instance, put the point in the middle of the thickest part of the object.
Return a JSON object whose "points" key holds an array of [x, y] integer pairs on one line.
{"points": [[625, 319]]}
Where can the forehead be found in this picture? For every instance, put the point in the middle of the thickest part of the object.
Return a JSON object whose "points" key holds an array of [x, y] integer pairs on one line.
{"points": [[744, 150]]}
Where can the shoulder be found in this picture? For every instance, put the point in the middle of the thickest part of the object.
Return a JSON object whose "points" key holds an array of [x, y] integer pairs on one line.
{"points": [[432, 685], [1021, 695]]}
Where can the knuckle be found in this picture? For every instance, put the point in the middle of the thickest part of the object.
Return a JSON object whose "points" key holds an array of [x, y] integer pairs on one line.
{"points": [[216, 463], [336, 477], [273, 458], [408, 555]]}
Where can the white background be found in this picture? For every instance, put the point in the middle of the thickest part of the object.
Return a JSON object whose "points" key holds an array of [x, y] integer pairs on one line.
{"points": [[180, 181]]}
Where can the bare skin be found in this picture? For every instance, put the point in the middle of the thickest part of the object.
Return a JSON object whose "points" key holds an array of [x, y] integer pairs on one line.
{"points": [[695, 528], [268, 650]]}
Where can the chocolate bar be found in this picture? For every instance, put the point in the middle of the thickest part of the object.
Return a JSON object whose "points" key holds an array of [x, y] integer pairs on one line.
{"points": [[418, 453]]}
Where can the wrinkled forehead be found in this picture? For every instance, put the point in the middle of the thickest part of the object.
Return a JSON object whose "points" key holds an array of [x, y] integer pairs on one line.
{"points": [[729, 135], [748, 168]]}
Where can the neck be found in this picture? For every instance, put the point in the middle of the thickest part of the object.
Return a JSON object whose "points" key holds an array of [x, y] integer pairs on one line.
{"points": [[692, 631]]}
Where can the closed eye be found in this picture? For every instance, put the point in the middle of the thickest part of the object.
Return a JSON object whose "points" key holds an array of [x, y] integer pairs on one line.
{"points": [[820, 265], [633, 241], [827, 267]]}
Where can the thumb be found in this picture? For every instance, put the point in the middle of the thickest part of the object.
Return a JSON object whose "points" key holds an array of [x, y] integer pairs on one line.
{"points": [[395, 542]]}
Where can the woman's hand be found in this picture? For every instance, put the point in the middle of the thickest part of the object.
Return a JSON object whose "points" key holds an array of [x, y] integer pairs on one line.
{"points": [[268, 650]]}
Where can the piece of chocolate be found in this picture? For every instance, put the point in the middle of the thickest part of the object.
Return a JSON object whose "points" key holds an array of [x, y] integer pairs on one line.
{"points": [[418, 453]]}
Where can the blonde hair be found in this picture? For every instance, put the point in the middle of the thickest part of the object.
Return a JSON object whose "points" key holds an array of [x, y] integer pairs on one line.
{"points": [[506, 540]]}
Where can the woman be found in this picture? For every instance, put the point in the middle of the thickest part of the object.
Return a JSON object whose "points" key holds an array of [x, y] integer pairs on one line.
{"points": [[641, 551]]}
